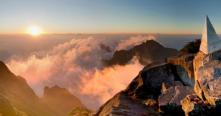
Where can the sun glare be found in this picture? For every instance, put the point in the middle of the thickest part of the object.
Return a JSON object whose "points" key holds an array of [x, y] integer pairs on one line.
{"points": [[34, 30]]}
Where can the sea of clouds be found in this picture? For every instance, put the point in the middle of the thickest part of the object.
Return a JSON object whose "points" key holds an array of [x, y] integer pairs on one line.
{"points": [[77, 65]]}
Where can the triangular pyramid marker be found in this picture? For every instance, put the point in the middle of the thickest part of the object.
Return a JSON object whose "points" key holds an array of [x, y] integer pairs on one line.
{"points": [[210, 42]]}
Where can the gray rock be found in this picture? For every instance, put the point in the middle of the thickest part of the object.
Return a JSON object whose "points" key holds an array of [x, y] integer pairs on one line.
{"points": [[174, 95]]}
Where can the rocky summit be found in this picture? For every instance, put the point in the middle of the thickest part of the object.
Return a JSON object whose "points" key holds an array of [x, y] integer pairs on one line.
{"points": [[188, 84]]}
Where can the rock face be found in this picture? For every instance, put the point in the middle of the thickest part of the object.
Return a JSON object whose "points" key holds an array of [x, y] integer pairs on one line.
{"points": [[57, 96], [154, 52]]}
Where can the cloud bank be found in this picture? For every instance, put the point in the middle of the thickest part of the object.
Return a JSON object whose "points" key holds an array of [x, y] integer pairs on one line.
{"points": [[77, 65]]}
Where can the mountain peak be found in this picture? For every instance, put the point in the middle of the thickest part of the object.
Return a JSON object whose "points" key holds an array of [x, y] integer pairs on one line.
{"points": [[146, 53]]}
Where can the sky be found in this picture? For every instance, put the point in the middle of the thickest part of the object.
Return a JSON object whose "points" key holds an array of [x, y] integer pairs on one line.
{"points": [[109, 16]]}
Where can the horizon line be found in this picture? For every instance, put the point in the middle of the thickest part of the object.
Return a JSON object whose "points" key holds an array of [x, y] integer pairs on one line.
{"points": [[105, 33]]}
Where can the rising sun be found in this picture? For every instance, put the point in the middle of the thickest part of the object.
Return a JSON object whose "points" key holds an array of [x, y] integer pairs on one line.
{"points": [[34, 30]]}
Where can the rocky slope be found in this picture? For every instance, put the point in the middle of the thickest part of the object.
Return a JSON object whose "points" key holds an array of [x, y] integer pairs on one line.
{"points": [[18, 99], [153, 52], [186, 84]]}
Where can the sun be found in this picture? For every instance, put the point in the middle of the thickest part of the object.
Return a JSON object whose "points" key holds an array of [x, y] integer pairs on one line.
{"points": [[34, 30]]}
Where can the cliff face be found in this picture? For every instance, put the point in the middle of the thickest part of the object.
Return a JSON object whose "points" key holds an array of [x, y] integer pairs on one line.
{"points": [[187, 84]]}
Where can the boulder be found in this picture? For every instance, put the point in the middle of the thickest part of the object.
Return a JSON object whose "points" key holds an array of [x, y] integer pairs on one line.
{"points": [[148, 83]]}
